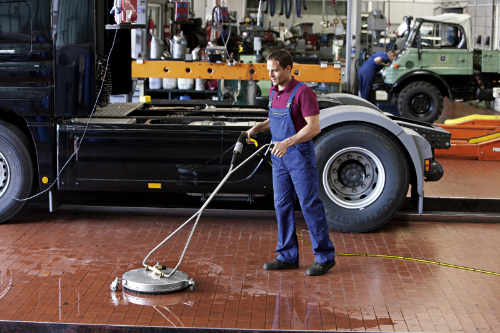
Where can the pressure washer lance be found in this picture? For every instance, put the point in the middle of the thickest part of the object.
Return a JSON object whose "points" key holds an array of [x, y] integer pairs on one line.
{"points": [[159, 279], [238, 148]]}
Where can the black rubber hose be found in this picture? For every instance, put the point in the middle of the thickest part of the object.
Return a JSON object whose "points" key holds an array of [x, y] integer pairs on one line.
{"points": [[272, 7], [263, 157], [282, 7], [305, 4]]}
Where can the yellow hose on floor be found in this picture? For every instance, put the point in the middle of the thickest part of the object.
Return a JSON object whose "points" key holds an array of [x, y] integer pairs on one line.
{"points": [[425, 261]]}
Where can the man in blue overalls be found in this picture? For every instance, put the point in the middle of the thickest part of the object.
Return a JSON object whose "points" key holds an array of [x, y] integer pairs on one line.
{"points": [[366, 73], [294, 121]]}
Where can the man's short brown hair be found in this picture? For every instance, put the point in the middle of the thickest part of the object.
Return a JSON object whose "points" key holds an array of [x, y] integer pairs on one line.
{"points": [[283, 57]]}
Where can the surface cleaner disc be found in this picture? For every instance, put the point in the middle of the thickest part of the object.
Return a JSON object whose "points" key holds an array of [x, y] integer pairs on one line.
{"points": [[145, 281]]}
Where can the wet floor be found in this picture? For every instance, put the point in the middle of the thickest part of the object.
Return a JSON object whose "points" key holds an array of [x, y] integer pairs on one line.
{"points": [[58, 268]]}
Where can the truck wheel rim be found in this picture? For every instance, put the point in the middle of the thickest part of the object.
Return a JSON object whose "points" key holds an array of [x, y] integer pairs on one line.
{"points": [[353, 177], [4, 174], [421, 104]]}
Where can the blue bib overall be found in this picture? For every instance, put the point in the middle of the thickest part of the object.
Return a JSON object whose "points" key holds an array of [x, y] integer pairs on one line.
{"points": [[295, 172]]}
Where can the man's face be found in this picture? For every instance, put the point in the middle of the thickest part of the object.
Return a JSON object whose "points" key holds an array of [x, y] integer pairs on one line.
{"points": [[277, 74]]}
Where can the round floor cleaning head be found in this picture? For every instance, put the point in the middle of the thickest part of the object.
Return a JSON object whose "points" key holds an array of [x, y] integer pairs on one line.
{"points": [[145, 281]]}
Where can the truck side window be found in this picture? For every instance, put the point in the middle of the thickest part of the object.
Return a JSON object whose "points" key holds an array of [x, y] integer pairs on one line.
{"points": [[41, 21], [74, 25], [15, 27], [429, 34], [453, 37]]}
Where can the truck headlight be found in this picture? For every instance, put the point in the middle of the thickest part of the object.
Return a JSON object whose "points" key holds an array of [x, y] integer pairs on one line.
{"points": [[381, 95]]}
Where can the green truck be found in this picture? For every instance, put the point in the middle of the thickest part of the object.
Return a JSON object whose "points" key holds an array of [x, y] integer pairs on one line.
{"points": [[437, 59]]}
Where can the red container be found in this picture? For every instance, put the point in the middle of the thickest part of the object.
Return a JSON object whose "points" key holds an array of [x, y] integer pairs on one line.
{"points": [[127, 12], [181, 11]]}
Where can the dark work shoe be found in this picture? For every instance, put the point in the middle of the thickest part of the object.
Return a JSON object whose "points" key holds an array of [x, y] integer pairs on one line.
{"points": [[277, 264], [320, 269]]}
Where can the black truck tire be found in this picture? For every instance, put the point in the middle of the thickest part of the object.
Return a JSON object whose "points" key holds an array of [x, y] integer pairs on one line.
{"points": [[363, 177], [421, 101], [16, 171]]}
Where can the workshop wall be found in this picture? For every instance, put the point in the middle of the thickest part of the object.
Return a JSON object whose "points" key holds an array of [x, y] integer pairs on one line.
{"points": [[484, 16], [203, 8], [314, 14], [484, 23], [395, 10]]}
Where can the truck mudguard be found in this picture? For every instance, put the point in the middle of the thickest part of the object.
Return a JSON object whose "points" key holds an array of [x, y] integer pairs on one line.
{"points": [[413, 76], [348, 99], [417, 147]]}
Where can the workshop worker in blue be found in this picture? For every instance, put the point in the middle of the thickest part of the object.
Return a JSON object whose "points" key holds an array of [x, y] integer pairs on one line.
{"points": [[294, 121], [367, 71]]}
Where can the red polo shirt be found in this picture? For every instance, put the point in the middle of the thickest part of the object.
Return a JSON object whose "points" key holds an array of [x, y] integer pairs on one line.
{"points": [[304, 104]]}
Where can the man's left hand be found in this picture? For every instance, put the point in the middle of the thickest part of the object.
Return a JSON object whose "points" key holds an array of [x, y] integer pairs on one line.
{"points": [[280, 148]]}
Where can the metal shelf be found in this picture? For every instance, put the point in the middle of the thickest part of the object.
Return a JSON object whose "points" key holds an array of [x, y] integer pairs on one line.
{"points": [[124, 26], [184, 91]]}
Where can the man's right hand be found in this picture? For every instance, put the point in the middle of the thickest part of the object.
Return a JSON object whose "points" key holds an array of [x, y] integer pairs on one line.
{"points": [[251, 132], [257, 128]]}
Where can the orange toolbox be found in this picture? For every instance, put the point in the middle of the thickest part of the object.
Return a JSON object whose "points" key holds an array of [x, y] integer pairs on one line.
{"points": [[473, 137]]}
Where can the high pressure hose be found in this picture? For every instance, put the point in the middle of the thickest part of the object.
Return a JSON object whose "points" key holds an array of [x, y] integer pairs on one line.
{"points": [[232, 169]]}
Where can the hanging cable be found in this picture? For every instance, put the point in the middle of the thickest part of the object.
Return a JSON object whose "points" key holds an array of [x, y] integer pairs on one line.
{"points": [[79, 142]]}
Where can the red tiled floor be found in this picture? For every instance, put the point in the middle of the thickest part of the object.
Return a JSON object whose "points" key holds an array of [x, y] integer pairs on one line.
{"points": [[58, 268], [466, 179]]}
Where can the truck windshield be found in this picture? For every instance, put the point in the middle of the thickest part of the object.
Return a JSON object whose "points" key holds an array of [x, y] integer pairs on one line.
{"points": [[405, 35]]}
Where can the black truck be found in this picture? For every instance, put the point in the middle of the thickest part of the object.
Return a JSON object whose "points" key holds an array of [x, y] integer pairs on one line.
{"points": [[51, 68]]}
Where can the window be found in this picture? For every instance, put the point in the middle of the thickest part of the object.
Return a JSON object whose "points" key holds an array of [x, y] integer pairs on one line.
{"points": [[75, 22], [15, 27], [441, 35]]}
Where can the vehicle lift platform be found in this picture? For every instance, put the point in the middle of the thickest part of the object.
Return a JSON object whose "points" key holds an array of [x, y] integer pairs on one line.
{"points": [[473, 137]]}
